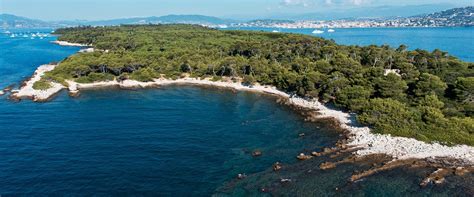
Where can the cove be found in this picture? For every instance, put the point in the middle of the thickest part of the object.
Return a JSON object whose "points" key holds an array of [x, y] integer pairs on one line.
{"points": [[172, 141], [169, 141]]}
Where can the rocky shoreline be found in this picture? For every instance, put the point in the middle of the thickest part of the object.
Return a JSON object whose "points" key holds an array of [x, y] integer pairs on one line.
{"points": [[359, 140], [27, 90], [69, 44]]}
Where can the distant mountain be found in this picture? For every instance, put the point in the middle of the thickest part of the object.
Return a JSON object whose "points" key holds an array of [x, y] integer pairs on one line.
{"points": [[12, 21], [184, 19], [448, 18], [451, 17], [193, 19]]}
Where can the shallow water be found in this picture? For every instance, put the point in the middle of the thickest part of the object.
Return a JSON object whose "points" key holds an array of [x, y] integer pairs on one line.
{"points": [[174, 141]]}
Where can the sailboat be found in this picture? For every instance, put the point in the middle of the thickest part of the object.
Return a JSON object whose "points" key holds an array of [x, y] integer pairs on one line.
{"points": [[331, 30], [317, 31]]}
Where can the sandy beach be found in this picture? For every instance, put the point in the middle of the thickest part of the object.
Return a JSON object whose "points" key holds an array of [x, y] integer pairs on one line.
{"points": [[399, 148]]}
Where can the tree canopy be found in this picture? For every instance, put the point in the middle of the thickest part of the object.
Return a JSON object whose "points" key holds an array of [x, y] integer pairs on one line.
{"points": [[431, 98]]}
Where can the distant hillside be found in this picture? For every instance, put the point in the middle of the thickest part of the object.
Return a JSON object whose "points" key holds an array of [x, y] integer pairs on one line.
{"points": [[455, 17], [193, 19], [12, 21], [168, 19], [368, 12], [448, 18]]}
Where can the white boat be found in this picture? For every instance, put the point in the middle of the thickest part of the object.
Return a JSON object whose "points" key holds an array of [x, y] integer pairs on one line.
{"points": [[25, 36], [223, 26], [317, 31], [331, 30], [7, 32], [12, 36], [275, 31]]}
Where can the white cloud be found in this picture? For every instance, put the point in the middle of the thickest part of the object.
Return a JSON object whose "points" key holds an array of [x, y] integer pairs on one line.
{"points": [[308, 3], [359, 2], [304, 3]]}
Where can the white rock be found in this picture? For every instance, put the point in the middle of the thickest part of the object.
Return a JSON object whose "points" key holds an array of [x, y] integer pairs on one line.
{"points": [[38, 95], [64, 43], [397, 147]]}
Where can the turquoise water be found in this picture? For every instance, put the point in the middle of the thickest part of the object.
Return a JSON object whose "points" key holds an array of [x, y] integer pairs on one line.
{"points": [[458, 41], [172, 141]]}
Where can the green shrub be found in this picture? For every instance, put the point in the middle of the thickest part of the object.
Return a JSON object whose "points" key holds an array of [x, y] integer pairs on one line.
{"points": [[42, 85], [249, 80], [144, 75], [95, 77]]}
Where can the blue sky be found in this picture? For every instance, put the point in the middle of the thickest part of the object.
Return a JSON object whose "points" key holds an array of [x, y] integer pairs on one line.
{"points": [[108, 9]]}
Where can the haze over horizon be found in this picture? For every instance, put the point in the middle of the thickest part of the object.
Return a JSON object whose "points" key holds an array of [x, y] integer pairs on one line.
{"points": [[243, 9]]}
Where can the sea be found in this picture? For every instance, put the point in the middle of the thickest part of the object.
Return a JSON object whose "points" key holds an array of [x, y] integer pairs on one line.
{"points": [[187, 140]]}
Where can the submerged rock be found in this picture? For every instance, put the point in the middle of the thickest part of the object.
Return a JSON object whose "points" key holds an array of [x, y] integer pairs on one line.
{"points": [[74, 93], [327, 165], [241, 176], [460, 171], [437, 177], [8, 89], [257, 153], [277, 166], [302, 156]]}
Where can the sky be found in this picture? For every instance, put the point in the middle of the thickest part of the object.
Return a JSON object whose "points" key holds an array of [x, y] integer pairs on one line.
{"points": [[110, 9]]}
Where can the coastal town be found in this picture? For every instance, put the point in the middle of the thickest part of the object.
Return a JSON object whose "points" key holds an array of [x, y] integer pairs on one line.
{"points": [[449, 18], [456, 17]]}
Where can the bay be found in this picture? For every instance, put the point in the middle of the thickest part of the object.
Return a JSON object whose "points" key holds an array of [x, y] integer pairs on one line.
{"points": [[177, 140]]}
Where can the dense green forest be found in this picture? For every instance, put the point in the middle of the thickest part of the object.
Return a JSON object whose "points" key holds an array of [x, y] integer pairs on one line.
{"points": [[430, 99]]}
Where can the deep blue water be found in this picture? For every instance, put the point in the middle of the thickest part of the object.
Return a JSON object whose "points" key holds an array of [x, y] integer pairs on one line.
{"points": [[458, 41], [19, 57], [174, 141]]}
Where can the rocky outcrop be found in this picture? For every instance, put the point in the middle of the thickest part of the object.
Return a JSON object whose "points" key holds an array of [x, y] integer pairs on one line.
{"points": [[27, 90]]}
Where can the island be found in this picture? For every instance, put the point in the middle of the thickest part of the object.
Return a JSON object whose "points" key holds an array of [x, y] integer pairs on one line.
{"points": [[408, 105]]}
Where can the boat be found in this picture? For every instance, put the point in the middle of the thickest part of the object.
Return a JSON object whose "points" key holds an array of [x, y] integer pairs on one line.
{"points": [[275, 31], [331, 30], [12, 36], [223, 26], [317, 31]]}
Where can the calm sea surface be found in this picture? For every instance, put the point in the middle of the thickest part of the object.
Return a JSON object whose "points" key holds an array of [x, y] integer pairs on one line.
{"points": [[176, 141], [458, 41]]}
